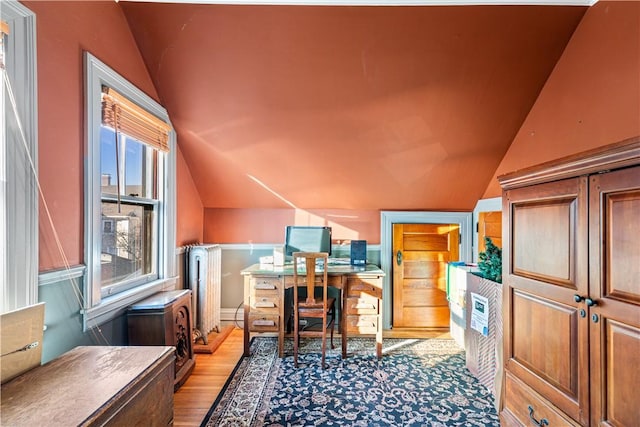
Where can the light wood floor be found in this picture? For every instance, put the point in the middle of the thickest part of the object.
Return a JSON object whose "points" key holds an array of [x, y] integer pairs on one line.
{"points": [[193, 400]]}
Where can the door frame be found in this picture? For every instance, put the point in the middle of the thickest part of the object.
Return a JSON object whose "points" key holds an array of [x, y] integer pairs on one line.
{"points": [[388, 218], [484, 205]]}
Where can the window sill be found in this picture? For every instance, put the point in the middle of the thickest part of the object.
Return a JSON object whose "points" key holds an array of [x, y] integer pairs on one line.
{"points": [[116, 305]]}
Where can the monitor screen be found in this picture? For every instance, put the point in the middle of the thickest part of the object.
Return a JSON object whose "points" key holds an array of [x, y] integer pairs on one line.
{"points": [[307, 239]]}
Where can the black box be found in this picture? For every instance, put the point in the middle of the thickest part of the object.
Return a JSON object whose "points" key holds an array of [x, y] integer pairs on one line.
{"points": [[358, 252]]}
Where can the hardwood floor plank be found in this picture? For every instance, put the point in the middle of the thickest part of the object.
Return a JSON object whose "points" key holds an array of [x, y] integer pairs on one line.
{"points": [[192, 401]]}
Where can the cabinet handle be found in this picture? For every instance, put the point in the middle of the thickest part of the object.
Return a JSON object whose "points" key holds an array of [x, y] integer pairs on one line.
{"points": [[542, 422], [399, 257], [590, 302], [578, 298]]}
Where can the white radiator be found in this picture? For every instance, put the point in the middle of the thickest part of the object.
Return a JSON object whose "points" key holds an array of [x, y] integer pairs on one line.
{"points": [[204, 277]]}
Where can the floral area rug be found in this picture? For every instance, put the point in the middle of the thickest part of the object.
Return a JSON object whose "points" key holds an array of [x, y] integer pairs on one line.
{"points": [[418, 382]]}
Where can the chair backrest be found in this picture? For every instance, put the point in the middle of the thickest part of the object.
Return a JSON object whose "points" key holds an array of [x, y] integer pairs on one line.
{"points": [[310, 261]]}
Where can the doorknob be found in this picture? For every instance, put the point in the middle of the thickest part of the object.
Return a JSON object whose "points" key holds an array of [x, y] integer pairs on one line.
{"points": [[399, 257]]}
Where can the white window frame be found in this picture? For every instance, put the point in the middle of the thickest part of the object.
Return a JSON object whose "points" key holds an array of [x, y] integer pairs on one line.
{"points": [[19, 234], [97, 308]]}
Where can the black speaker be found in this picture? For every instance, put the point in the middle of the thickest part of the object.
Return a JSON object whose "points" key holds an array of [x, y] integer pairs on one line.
{"points": [[358, 252]]}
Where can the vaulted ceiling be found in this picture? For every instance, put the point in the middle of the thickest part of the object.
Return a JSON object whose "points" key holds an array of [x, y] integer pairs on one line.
{"points": [[347, 107]]}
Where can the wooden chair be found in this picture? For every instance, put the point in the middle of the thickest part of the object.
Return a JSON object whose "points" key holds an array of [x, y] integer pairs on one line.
{"points": [[311, 306]]}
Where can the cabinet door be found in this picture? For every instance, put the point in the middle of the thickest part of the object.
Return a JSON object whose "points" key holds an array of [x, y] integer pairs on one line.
{"points": [[546, 339], [615, 287]]}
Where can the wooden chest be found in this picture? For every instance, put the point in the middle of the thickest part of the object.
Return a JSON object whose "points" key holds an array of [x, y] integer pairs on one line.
{"points": [[94, 385]]}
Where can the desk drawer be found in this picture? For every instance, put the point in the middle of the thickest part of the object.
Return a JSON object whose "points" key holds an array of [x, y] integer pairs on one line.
{"points": [[333, 281], [263, 322], [265, 283], [357, 286], [364, 304], [365, 324], [265, 300]]}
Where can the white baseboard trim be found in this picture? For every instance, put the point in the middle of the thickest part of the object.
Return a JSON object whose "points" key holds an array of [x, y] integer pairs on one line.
{"points": [[229, 316]]}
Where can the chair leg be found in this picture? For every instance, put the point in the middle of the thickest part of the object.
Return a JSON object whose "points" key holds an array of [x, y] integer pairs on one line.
{"points": [[333, 323], [296, 337], [324, 344]]}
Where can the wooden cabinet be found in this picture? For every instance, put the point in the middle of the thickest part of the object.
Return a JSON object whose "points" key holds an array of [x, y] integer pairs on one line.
{"points": [[165, 318], [572, 298], [94, 386]]}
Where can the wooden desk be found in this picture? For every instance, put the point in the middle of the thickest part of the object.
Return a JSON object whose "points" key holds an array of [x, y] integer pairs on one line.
{"points": [[94, 385], [265, 309]]}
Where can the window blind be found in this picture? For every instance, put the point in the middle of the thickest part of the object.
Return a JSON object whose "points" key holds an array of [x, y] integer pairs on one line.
{"points": [[119, 113]]}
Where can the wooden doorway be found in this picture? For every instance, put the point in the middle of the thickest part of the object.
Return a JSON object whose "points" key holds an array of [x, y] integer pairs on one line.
{"points": [[420, 255], [489, 225]]}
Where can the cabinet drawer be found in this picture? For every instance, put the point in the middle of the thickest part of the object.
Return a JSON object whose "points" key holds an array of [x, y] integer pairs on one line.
{"points": [[263, 322], [265, 283], [265, 300], [362, 305], [522, 403], [364, 325], [357, 286]]}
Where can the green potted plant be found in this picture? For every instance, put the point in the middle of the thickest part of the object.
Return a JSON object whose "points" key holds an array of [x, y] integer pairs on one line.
{"points": [[490, 261]]}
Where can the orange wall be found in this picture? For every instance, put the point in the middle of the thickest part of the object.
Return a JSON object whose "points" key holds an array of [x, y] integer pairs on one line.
{"points": [[268, 225], [189, 224], [64, 31], [591, 99], [593, 96]]}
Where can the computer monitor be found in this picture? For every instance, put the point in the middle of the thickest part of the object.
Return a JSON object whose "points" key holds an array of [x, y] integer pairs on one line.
{"points": [[307, 239]]}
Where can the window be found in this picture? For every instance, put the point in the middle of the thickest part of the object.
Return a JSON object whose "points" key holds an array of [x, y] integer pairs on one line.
{"points": [[130, 187], [18, 158]]}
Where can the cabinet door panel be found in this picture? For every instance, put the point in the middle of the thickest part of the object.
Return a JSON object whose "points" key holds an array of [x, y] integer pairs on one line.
{"points": [[615, 286], [546, 343], [544, 228], [544, 338]]}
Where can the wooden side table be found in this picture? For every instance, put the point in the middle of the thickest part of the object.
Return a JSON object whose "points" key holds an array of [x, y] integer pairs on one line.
{"points": [[165, 318]]}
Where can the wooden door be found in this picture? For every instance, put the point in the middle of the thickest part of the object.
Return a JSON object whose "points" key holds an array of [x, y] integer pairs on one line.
{"points": [[420, 255], [615, 287], [546, 338], [489, 225]]}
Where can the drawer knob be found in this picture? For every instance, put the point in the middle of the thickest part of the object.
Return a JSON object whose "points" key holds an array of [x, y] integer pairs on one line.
{"points": [[542, 422]]}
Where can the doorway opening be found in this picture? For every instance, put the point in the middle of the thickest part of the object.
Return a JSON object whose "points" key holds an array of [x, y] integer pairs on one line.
{"points": [[388, 218]]}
